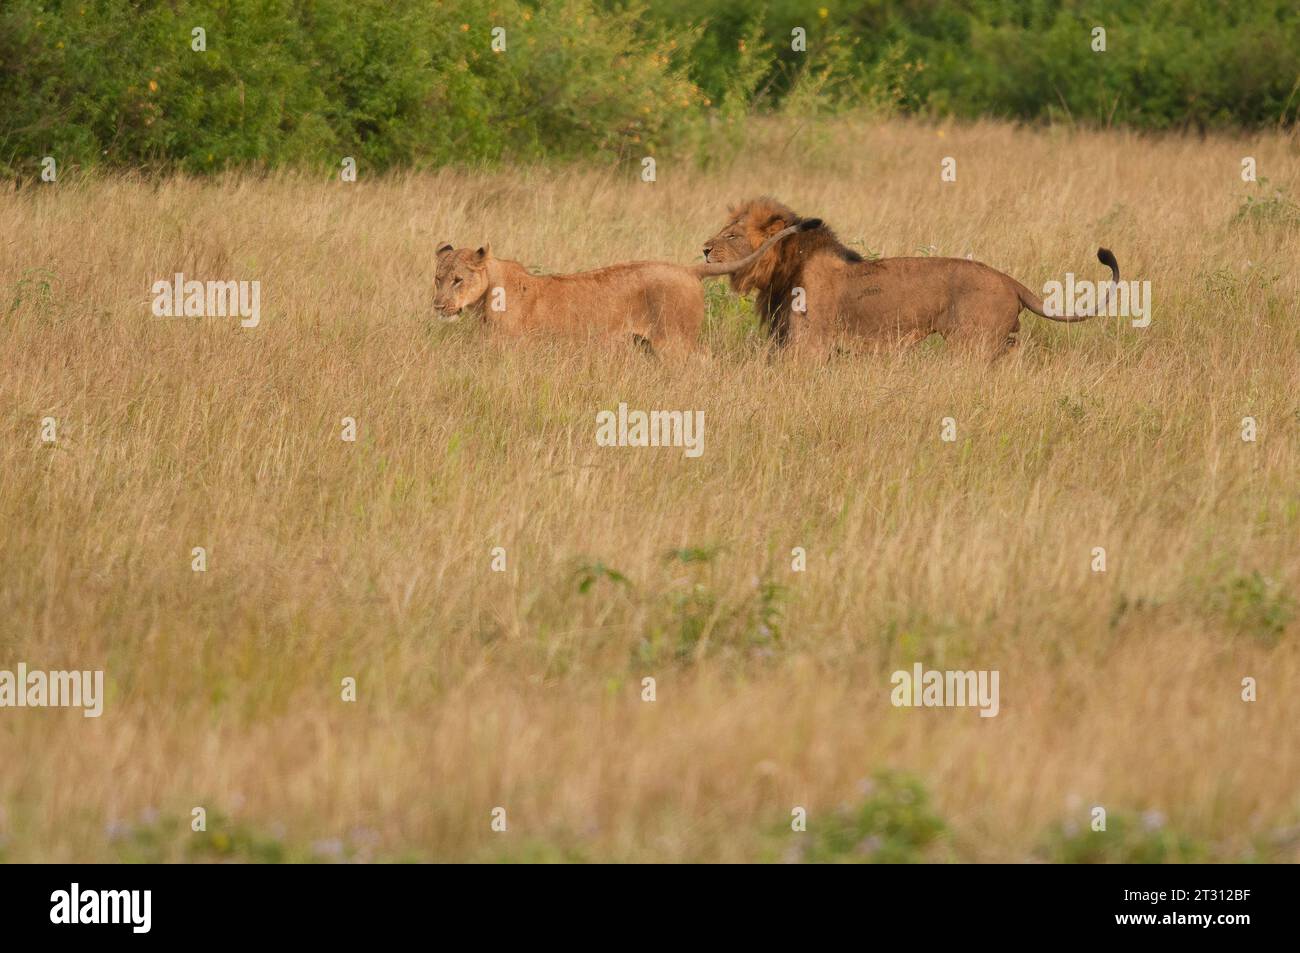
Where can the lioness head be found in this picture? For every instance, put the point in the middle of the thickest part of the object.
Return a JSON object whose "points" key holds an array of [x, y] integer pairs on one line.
{"points": [[461, 279], [749, 224]]}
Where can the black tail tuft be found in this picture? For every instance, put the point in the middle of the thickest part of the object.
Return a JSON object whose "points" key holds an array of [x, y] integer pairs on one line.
{"points": [[1107, 258], [808, 224]]}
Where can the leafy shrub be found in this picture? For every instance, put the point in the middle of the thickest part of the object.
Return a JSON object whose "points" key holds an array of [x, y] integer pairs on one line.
{"points": [[894, 824], [1168, 63], [388, 82], [1253, 604], [1268, 208], [589, 573], [395, 83], [688, 617], [1126, 840], [166, 838]]}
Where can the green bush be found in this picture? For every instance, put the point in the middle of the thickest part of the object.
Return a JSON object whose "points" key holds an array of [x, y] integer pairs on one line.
{"points": [[894, 824], [1168, 63], [388, 82], [398, 83], [1126, 840], [1268, 207], [1253, 604]]}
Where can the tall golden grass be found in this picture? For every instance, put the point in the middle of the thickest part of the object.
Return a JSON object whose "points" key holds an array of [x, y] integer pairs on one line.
{"points": [[523, 689]]}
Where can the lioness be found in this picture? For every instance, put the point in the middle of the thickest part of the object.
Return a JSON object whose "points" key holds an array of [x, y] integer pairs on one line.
{"points": [[891, 301], [657, 304]]}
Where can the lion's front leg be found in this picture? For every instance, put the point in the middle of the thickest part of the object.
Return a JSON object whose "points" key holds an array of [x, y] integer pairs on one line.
{"points": [[810, 332]]}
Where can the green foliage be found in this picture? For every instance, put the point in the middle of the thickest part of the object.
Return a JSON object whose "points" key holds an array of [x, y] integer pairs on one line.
{"points": [[397, 83], [1167, 63], [169, 839], [690, 617], [692, 554], [589, 573], [731, 325], [1253, 604], [894, 824], [1126, 840], [35, 288], [238, 842], [557, 850], [767, 612], [389, 82], [1268, 208]]}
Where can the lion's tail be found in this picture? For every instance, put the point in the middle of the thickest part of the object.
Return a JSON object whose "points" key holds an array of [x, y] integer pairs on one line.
{"points": [[1035, 304], [712, 269]]}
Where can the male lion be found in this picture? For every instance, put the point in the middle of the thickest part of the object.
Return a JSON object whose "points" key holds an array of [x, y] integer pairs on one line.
{"points": [[891, 301], [657, 304]]}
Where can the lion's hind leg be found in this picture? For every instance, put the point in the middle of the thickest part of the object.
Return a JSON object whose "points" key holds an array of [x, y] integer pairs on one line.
{"points": [[981, 343]]}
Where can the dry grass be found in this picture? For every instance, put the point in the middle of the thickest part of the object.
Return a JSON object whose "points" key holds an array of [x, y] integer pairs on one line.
{"points": [[477, 689]]}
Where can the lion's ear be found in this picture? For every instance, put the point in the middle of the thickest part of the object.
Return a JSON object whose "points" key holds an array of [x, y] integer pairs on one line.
{"points": [[443, 249], [773, 225], [484, 252]]}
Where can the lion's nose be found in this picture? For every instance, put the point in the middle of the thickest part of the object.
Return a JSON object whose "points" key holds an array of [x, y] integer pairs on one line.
{"points": [[708, 250]]}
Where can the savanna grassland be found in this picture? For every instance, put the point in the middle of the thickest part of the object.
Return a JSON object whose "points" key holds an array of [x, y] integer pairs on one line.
{"points": [[522, 689]]}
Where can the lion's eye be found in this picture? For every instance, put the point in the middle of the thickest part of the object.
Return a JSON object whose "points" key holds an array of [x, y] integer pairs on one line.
{"points": [[456, 281]]}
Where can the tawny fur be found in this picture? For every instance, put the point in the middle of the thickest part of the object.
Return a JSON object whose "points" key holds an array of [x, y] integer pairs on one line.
{"points": [[852, 301], [658, 304]]}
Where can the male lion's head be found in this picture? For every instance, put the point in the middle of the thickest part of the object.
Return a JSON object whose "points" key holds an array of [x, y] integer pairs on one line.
{"points": [[776, 273], [749, 224], [461, 279]]}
